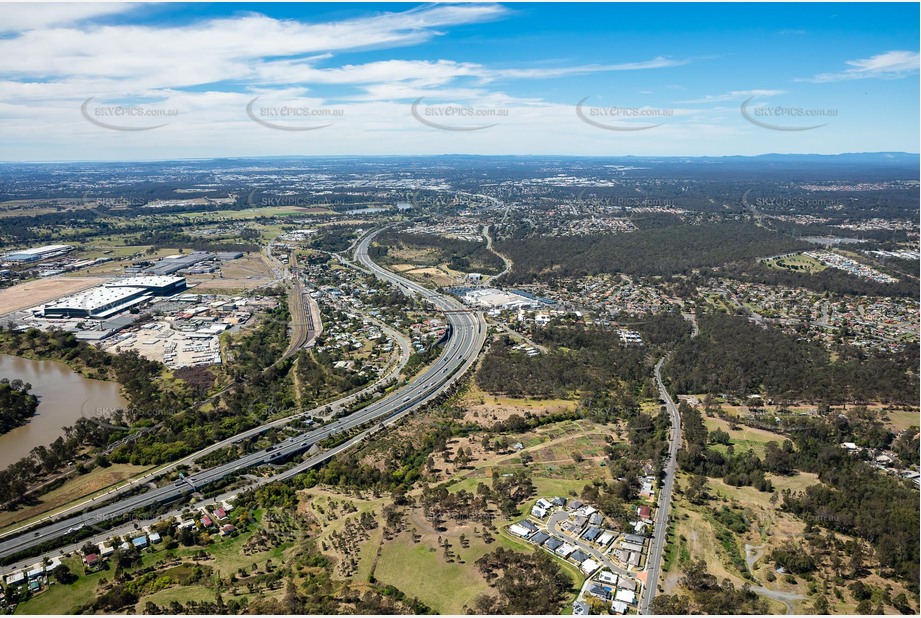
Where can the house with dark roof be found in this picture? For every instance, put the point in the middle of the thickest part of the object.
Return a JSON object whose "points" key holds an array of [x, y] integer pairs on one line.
{"points": [[591, 534], [539, 538], [553, 543], [578, 556]]}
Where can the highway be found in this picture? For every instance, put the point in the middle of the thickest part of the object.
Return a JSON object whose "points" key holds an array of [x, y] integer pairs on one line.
{"points": [[467, 334], [657, 546]]}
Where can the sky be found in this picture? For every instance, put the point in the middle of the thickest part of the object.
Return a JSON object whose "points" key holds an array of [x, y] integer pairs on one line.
{"points": [[113, 81]]}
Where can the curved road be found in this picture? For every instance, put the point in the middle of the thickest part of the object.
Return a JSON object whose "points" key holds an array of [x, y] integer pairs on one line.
{"points": [[467, 333]]}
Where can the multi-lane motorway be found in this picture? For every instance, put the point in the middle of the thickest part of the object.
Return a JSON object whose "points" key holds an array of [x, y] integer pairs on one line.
{"points": [[467, 333], [665, 497]]}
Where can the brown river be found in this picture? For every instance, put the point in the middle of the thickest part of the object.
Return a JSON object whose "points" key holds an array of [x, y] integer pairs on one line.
{"points": [[64, 396]]}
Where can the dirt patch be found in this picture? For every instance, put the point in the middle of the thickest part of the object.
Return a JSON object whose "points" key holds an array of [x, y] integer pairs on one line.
{"points": [[33, 293]]}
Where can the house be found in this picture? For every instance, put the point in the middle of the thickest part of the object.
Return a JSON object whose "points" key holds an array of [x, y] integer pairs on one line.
{"points": [[519, 530], [188, 523], [644, 512], [849, 446], [35, 571], [632, 547], [633, 559], [625, 596], [91, 561], [558, 501], [524, 523], [154, 537], [606, 537], [619, 607], [608, 578], [884, 460], [125, 546], [595, 519], [553, 543], [635, 538], [591, 534], [105, 550], [15, 579], [578, 556], [565, 549], [580, 609], [539, 538], [228, 529], [580, 520], [627, 584], [602, 592], [541, 509], [206, 521], [140, 542], [639, 527], [220, 513], [589, 566], [573, 504]]}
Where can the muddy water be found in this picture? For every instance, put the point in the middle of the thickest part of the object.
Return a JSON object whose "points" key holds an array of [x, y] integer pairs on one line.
{"points": [[64, 396]]}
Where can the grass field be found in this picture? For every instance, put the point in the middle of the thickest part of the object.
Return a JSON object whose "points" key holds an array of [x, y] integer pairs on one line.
{"points": [[900, 421], [743, 438], [94, 482], [798, 262]]}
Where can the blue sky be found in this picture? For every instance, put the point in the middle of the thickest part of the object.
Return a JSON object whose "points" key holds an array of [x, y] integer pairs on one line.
{"points": [[153, 81]]}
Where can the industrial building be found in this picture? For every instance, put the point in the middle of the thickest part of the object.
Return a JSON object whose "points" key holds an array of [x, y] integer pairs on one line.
{"points": [[175, 263], [107, 300], [156, 285], [99, 302], [38, 253]]}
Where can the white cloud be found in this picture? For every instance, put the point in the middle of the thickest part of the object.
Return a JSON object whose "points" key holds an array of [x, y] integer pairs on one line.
{"points": [[20, 16], [735, 95], [890, 65]]}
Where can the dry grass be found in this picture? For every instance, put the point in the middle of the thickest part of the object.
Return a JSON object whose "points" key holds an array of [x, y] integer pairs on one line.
{"points": [[76, 489]]}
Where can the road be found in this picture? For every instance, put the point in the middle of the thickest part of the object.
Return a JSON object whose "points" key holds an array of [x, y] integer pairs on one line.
{"points": [[657, 545], [553, 526], [333, 407], [467, 334], [507, 262]]}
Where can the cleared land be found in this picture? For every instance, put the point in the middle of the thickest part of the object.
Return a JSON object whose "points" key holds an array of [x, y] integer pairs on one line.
{"points": [[743, 438], [33, 293], [798, 262], [77, 488]]}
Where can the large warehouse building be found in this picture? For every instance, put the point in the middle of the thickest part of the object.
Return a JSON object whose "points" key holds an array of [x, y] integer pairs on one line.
{"points": [[37, 253], [99, 302], [175, 263], [107, 300], [158, 286]]}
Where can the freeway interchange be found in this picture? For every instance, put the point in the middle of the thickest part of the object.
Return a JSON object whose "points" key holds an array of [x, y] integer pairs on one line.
{"points": [[466, 336]]}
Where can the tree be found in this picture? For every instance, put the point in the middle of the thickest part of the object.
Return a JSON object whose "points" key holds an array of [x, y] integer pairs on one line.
{"points": [[63, 575]]}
